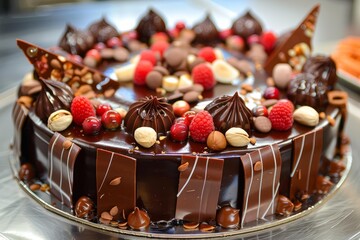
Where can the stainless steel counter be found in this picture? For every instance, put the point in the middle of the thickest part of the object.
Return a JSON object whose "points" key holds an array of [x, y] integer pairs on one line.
{"points": [[23, 218]]}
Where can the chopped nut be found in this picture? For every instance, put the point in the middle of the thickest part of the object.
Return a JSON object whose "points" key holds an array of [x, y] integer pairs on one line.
{"points": [[183, 166], [106, 216], [67, 144], [330, 120], [44, 187], [191, 225], [206, 227], [252, 141], [114, 210], [322, 115], [257, 166], [115, 181], [35, 187]]}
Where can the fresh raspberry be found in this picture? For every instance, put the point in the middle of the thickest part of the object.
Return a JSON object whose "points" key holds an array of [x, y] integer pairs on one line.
{"points": [[201, 126], [203, 75], [268, 40], [160, 47], [149, 56], [141, 71], [159, 36], [208, 54], [81, 108], [281, 115]]}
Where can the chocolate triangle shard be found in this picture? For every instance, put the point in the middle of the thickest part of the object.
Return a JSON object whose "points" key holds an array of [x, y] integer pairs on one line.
{"points": [[49, 65], [297, 47]]}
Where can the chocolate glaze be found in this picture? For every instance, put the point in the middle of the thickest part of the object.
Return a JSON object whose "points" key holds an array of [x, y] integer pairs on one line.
{"points": [[76, 42], [102, 30], [206, 32], [150, 24], [84, 208], [323, 68], [229, 112], [138, 219], [53, 96], [150, 112], [246, 25]]}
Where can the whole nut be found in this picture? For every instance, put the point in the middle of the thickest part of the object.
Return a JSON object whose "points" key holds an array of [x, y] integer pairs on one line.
{"points": [[307, 116], [216, 141], [145, 136], [237, 137], [59, 120], [121, 111]]}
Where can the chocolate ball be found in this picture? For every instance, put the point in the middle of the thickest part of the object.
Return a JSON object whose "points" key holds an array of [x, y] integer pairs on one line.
{"points": [[26, 172], [154, 79], [138, 219], [84, 208], [228, 217]]}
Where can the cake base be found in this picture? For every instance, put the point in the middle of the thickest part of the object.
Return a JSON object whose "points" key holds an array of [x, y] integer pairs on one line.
{"points": [[174, 229]]}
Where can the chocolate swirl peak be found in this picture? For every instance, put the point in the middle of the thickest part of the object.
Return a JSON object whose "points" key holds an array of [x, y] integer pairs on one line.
{"points": [[150, 24], [206, 32], [102, 30], [246, 26], [150, 112], [324, 69], [53, 96], [229, 112], [75, 41]]}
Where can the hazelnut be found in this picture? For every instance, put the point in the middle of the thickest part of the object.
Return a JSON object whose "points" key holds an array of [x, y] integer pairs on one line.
{"points": [[216, 141], [237, 137], [145, 136]]}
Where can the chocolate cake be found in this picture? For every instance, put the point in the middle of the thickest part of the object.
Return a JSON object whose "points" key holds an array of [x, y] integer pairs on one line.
{"points": [[193, 128]]}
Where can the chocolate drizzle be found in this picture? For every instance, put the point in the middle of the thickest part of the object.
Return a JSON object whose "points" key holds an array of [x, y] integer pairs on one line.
{"points": [[206, 32], [150, 24], [102, 30], [150, 112], [54, 95], [246, 26], [323, 68], [229, 112], [75, 41]]}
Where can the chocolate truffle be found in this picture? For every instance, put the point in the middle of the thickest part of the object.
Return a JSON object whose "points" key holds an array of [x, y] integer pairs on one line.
{"points": [[26, 172], [150, 24], [84, 208], [75, 41], [54, 96], [229, 112], [102, 30], [228, 217], [138, 219], [206, 32], [246, 26], [150, 112]]}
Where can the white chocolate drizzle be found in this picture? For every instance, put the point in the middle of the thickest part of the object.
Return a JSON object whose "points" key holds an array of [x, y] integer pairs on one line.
{"points": [[107, 171], [190, 175], [248, 192]]}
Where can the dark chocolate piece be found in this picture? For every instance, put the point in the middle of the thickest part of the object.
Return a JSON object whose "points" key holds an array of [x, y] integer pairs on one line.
{"points": [[26, 172], [84, 208], [297, 46], [306, 160], [19, 114], [150, 24], [138, 219], [206, 32], [102, 30], [61, 168], [262, 180], [246, 25], [76, 42], [228, 217], [115, 182], [199, 187]]}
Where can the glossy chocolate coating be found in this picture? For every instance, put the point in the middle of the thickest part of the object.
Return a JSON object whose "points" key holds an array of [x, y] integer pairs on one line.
{"points": [[150, 112], [75, 41], [138, 219], [228, 112], [323, 68], [228, 217], [246, 26], [26, 172], [102, 30], [84, 208], [150, 24], [206, 32], [305, 89], [54, 96]]}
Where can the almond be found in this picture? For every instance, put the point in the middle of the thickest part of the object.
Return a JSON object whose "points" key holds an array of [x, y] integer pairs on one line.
{"points": [[307, 116]]}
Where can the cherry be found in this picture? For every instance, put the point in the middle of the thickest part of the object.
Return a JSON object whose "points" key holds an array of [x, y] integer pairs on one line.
{"points": [[180, 107], [180, 25], [94, 53], [114, 42], [111, 119], [271, 93], [268, 40], [188, 117], [253, 39], [180, 120], [179, 131], [102, 108], [260, 111], [91, 125]]}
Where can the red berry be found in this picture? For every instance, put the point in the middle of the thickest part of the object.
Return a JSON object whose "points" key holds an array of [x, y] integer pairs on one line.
{"points": [[94, 54], [81, 108], [180, 25], [235, 42], [174, 33], [114, 42], [102, 108], [271, 93], [180, 107], [179, 131], [179, 120], [91, 125], [201, 126], [268, 40], [260, 111], [159, 36], [225, 33], [188, 117], [207, 53], [253, 39], [141, 71], [99, 46], [160, 47], [203, 75], [111, 120], [281, 115], [148, 55]]}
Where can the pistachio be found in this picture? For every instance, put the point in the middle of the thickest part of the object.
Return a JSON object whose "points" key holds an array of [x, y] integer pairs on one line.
{"points": [[237, 137], [59, 120], [145, 136], [307, 116]]}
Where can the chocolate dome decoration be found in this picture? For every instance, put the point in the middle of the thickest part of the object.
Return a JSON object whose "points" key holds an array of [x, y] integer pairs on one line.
{"points": [[246, 26], [53, 96], [150, 24], [150, 112], [323, 68], [230, 111], [206, 32], [102, 30], [305, 89], [76, 41]]}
